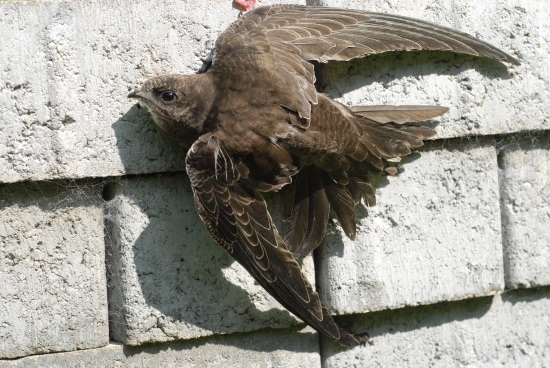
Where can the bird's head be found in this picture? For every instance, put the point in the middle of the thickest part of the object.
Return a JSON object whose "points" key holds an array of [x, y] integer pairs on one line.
{"points": [[177, 101]]}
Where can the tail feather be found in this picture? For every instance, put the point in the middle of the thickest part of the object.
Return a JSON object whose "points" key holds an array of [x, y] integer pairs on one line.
{"points": [[307, 215], [343, 204], [336, 184], [399, 114]]}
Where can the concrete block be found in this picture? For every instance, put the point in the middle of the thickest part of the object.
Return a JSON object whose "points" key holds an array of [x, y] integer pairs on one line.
{"points": [[525, 203], [168, 279], [435, 235], [508, 330], [260, 349], [484, 96], [53, 293], [66, 68]]}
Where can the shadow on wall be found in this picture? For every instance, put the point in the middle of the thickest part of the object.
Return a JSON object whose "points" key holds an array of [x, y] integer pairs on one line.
{"points": [[187, 286], [526, 295], [259, 341], [337, 79], [142, 145], [413, 318], [467, 323]]}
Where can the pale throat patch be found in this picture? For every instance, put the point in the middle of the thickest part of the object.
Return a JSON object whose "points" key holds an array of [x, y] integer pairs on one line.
{"points": [[160, 122]]}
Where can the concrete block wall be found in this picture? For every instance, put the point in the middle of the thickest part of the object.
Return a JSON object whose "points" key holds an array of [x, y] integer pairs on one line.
{"points": [[157, 242], [103, 261]]}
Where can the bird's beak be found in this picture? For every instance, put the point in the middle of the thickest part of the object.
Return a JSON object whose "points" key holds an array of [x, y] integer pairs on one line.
{"points": [[135, 94]]}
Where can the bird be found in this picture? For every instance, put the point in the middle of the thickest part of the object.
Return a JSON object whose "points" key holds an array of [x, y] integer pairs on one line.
{"points": [[254, 123]]}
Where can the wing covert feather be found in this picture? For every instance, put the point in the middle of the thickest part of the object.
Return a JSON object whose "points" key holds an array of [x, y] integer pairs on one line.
{"points": [[283, 39], [238, 220]]}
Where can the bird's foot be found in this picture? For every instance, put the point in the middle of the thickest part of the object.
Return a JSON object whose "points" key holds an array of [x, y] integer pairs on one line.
{"points": [[363, 338], [244, 5]]}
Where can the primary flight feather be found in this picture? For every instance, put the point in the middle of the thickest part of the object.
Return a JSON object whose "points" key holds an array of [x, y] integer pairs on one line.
{"points": [[254, 123]]}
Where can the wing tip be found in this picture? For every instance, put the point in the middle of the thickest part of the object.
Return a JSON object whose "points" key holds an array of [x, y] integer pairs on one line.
{"points": [[511, 60]]}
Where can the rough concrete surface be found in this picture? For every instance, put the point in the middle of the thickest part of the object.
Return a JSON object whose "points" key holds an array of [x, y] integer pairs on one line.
{"points": [[508, 330], [269, 349], [434, 235], [168, 279], [66, 68], [525, 176], [53, 293], [484, 96]]}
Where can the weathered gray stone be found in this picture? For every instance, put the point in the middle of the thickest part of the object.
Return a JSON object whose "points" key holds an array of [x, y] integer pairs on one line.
{"points": [[508, 330], [168, 279], [484, 98], [66, 68], [434, 235], [270, 348], [52, 292], [525, 175]]}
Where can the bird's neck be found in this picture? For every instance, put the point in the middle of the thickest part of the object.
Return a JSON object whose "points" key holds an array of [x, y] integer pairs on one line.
{"points": [[204, 94]]}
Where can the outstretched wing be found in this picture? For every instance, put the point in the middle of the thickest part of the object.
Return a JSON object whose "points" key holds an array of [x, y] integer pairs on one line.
{"points": [[238, 220], [279, 41]]}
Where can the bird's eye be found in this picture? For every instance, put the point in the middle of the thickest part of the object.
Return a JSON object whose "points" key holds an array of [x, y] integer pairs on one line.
{"points": [[168, 96]]}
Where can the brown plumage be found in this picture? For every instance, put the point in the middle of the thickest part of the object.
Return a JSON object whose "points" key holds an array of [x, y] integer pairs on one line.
{"points": [[255, 123]]}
